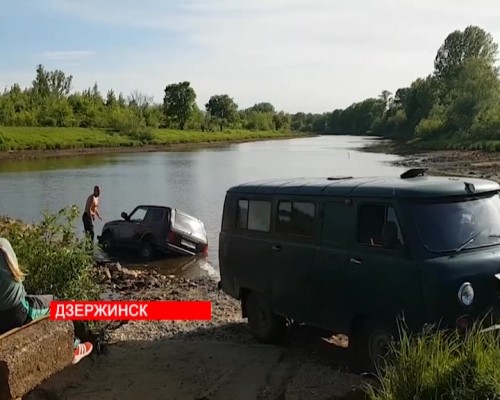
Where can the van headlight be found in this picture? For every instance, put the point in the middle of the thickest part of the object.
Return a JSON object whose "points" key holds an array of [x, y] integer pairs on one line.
{"points": [[466, 294]]}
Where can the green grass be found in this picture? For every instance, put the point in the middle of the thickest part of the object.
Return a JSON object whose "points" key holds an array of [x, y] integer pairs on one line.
{"points": [[444, 366], [37, 138], [170, 136]]}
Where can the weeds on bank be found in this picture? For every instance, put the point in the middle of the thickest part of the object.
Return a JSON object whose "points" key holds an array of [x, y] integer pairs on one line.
{"points": [[441, 365], [55, 260], [125, 135]]}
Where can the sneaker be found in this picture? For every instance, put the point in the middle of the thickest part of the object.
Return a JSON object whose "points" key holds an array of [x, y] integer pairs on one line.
{"points": [[83, 350]]}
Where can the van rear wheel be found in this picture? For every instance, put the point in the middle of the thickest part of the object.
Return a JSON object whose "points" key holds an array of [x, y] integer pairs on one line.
{"points": [[264, 324]]}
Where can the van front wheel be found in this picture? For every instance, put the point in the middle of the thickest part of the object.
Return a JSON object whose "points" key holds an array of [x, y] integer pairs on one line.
{"points": [[370, 345], [264, 324]]}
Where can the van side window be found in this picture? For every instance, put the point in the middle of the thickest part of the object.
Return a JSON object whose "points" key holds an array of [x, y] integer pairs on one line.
{"points": [[376, 223], [242, 217], [296, 218], [254, 215]]}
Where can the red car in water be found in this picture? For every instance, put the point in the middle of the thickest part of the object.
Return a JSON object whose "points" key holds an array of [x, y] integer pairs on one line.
{"points": [[150, 228]]}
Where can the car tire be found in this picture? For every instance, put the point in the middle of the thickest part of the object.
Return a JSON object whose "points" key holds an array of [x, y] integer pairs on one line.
{"points": [[264, 324], [107, 242], [146, 250], [369, 345]]}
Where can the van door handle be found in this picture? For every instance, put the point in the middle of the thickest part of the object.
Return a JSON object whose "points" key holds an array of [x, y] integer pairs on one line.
{"points": [[276, 248], [355, 261]]}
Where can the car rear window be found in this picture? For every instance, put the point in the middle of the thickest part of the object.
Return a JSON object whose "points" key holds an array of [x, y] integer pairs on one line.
{"points": [[190, 224]]}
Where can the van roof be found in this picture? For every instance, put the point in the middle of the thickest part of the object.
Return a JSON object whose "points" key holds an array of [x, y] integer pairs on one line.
{"points": [[412, 187]]}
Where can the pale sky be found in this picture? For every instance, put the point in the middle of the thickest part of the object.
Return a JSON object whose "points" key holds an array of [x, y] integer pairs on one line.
{"points": [[300, 55]]}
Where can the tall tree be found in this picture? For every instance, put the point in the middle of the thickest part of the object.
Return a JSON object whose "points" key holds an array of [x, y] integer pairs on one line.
{"points": [[385, 96], [400, 98], [178, 103], [264, 107], [476, 89], [48, 83], [419, 99], [460, 46], [222, 108], [110, 98]]}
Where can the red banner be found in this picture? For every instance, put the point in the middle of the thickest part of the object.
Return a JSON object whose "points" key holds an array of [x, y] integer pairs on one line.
{"points": [[131, 310]]}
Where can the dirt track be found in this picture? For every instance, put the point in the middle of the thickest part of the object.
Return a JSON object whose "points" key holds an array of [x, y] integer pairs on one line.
{"points": [[213, 360], [177, 369]]}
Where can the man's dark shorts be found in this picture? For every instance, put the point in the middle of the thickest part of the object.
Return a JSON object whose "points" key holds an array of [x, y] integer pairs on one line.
{"points": [[88, 226]]}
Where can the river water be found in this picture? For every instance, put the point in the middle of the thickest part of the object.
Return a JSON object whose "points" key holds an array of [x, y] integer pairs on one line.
{"points": [[193, 180]]}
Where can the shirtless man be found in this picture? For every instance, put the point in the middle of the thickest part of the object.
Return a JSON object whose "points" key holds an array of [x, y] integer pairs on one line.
{"points": [[91, 210]]}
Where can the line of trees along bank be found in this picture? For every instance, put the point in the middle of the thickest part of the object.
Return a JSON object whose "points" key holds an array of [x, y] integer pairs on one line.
{"points": [[49, 102], [460, 100]]}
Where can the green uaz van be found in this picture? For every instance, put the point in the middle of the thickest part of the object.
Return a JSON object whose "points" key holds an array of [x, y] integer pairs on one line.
{"points": [[352, 255]]}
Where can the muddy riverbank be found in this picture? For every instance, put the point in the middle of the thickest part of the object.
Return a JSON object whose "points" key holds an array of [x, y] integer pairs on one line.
{"points": [[473, 163], [464, 163]]}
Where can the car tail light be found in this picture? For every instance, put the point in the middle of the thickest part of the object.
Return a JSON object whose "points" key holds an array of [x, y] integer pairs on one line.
{"points": [[205, 250], [171, 237]]}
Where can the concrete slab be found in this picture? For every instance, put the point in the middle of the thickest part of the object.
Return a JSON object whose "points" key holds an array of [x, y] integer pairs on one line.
{"points": [[33, 353]]}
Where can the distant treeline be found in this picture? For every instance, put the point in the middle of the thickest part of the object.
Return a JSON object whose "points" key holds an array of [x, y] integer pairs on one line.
{"points": [[460, 98], [49, 102]]}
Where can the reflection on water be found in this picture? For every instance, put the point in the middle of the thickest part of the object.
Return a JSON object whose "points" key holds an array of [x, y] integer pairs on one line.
{"points": [[45, 164], [194, 181]]}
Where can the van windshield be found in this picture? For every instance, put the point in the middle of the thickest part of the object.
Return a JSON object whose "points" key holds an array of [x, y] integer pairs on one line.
{"points": [[446, 226]]}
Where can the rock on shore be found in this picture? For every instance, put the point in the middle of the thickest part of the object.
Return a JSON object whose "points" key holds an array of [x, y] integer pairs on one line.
{"points": [[124, 283]]}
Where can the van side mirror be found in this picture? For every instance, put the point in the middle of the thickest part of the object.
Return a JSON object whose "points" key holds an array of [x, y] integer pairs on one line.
{"points": [[390, 235], [124, 216]]}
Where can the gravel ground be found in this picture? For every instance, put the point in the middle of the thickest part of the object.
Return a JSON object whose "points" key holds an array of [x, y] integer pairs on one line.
{"points": [[226, 323], [216, 360]]}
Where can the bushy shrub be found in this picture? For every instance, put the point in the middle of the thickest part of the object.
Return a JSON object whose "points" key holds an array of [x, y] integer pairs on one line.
{"points": [[442, 365], [56, 261]]}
